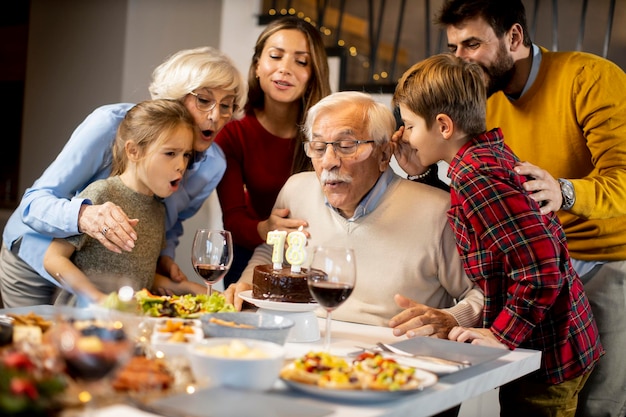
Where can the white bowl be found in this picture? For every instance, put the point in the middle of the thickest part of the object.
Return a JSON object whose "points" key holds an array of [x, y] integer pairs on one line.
{"points": [[221, 362], [164, 341]]}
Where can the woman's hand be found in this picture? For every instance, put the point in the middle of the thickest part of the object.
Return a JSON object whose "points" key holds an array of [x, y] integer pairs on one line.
{"points": [[278, 220], [109, 225], [477, 336], [405, 155], [420, 320]]}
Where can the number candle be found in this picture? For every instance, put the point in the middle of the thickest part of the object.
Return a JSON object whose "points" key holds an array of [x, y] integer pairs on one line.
{"points": [[295, 250], [277, 239]]}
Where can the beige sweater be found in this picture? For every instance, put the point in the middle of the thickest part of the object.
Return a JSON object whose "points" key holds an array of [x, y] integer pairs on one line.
{"points": [[404, 246]]}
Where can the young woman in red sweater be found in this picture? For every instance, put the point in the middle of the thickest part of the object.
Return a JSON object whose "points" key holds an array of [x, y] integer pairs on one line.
{"points": [[288, 74]]}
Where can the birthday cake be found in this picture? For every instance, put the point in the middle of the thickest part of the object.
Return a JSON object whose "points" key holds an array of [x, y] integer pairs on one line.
{"points": [[282, 285]]}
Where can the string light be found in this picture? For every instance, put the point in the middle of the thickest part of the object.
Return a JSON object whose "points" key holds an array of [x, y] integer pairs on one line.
{"points": [[352, 50]]}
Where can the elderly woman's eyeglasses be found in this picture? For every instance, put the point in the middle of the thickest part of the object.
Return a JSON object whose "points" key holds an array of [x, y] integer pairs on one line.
{"points": [[343, 148], [205, 103]]}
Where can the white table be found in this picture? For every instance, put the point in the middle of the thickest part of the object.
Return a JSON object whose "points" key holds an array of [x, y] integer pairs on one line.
{"points": [[449, 391]]}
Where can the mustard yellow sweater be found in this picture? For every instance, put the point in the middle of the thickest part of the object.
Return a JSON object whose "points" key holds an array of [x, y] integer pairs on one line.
{"points": [[572, 123]]}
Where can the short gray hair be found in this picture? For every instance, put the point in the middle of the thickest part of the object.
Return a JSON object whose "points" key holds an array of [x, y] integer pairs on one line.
{"points": [[378, 119]]}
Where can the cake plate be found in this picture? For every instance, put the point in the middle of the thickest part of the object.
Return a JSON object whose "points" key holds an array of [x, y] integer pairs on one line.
{"points": [[306, 328]]}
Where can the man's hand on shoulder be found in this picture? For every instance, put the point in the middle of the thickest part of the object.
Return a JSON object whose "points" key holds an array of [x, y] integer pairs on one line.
{"points": [[544, 188]]}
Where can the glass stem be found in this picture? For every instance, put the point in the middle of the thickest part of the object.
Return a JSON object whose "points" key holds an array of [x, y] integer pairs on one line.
{"points": [[327, 333], [209, 289]]}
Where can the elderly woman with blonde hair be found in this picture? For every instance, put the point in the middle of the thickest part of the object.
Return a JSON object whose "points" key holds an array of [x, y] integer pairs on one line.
{"points": [[208, 84]]}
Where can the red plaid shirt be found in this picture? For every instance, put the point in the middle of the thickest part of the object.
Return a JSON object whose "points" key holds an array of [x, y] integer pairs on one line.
{"points": [[533, 297]]}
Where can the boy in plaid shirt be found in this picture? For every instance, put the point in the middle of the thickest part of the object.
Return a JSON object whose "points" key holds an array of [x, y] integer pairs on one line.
{"points": [[533, 297]]}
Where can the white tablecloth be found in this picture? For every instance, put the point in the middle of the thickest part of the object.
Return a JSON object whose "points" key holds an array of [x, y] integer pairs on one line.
{"points": [[450, 390]]}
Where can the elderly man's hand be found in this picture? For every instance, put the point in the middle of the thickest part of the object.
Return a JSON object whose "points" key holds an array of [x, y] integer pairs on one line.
{"points": [[231, 293], [420, 320]]}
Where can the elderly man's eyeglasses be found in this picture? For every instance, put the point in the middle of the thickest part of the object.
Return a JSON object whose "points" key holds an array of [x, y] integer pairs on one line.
{"points": [[205, 103], [343, 148]]}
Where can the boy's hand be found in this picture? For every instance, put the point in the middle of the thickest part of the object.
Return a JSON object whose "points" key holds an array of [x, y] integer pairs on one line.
{"points": [[405, 155], [477, 336]]}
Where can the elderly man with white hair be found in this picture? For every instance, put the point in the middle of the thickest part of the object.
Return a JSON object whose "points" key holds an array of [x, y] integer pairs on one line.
{"points": [[409, 275]]}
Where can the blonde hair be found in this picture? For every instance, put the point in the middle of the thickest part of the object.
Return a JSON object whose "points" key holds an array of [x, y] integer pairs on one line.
{"points": [[148, 123], [376, 117], [445, 84], [191, 69]]}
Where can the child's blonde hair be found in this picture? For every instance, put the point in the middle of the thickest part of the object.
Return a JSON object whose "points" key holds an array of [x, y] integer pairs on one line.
{"points": [[146, 124], [445, 84]]}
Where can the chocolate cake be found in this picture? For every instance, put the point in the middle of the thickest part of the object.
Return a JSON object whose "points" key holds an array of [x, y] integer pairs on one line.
{"points": [[282, 285]]}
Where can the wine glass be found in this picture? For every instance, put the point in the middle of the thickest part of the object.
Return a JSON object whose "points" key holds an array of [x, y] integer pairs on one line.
{"points": [[333, 287], [212, 255], [91, 347]]}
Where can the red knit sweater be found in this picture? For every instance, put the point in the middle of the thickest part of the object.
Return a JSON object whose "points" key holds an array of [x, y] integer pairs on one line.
{"points": [[257, 166]]}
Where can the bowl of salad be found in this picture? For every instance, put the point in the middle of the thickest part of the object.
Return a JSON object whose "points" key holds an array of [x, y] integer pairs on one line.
{"points": [[188, 306]]}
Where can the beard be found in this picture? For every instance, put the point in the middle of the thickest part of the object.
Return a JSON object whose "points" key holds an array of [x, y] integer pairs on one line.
{"points": [[500, 72]]}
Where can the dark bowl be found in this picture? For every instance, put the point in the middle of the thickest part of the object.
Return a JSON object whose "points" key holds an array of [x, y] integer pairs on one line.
{"points": [[6, 332]]}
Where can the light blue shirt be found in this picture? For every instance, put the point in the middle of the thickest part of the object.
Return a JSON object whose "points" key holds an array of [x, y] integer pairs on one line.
{"points": [[534, 69], [49, 209]]}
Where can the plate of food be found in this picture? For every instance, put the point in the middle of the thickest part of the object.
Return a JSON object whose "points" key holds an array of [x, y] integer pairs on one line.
{"points": [[277, 305], [369, 377]]}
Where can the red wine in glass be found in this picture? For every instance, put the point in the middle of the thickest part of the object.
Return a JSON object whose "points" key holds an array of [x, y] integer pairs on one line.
{"points": [[94, 352], [91, 350], [211, 255], [334, 287], [330, 295], [88, 366], [210, 273]]}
